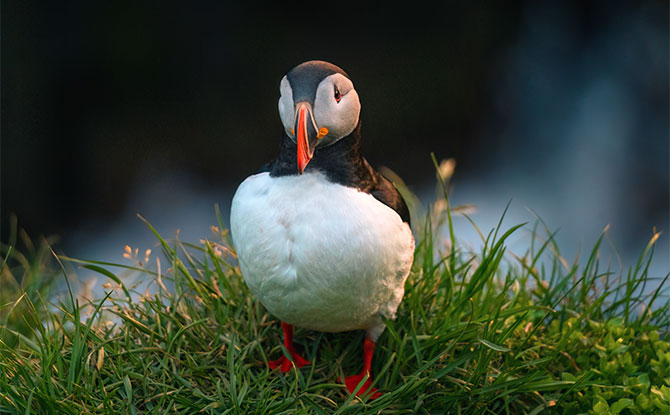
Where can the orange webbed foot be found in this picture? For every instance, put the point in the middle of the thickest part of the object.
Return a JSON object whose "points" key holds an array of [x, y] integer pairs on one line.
{"points": [[283, 363]]}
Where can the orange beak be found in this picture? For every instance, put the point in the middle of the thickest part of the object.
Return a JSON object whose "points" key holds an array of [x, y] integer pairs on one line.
{"points": [[306, 135]]}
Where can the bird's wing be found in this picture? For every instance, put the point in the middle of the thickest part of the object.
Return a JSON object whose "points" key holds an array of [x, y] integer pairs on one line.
{"points": [[384, 191]]}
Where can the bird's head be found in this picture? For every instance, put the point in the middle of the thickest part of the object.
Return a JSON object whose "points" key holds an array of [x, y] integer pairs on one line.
{"points": [[318, 106]]}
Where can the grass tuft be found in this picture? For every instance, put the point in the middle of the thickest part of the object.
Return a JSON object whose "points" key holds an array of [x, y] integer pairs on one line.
{"points": [[477, 333]]}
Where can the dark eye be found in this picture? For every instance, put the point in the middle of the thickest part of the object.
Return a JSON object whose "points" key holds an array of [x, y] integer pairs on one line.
{"points": [[338, 96]]}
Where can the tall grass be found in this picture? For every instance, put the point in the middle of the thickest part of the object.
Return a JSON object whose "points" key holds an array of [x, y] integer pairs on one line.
{"points": [[477, 333], [26, 270]]}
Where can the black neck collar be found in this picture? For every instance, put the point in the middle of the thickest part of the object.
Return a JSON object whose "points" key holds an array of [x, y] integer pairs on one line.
{"points": [[341, 162]]}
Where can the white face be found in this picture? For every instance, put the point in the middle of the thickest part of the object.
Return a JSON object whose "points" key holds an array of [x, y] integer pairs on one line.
{"points": [[286, 106], [336, 107]]}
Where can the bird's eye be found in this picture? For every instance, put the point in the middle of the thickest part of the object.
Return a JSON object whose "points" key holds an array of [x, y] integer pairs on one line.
{"points": [[338, 96]]}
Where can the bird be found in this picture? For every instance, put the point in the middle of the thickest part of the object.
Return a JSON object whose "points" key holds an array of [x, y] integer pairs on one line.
{"points": [[323, 240]]}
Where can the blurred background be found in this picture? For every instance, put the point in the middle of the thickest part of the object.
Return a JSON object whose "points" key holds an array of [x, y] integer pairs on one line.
{"points": [[163, 108]]}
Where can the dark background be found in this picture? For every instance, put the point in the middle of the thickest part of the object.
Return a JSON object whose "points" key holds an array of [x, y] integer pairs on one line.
{"points": [[562, 105]]}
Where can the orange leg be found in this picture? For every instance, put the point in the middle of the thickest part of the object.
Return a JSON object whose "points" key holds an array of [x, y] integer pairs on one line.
{"points": [[352, 381], [283, 363]]}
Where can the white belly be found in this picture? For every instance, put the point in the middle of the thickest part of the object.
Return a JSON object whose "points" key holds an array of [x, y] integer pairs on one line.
{"points": [[320, 255]]}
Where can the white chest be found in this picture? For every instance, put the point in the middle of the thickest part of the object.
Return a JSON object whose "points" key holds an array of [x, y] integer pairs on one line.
{"points": [[320, 255]]}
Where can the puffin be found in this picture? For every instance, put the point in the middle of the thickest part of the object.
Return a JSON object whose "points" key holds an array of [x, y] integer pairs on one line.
{"points": [[323, 240]]}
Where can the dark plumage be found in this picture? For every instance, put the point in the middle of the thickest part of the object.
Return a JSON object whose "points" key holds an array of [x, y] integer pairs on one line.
{"points": [[342, 163], [305, 78]]}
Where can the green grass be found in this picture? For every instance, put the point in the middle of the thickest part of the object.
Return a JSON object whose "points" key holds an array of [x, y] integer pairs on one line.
{"points": [[25, 271], [477, 333]]}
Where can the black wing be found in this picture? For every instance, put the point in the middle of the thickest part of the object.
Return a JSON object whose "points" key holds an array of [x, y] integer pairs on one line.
{"points": [[384, 191]]}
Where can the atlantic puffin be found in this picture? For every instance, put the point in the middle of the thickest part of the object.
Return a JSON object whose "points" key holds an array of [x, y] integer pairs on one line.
{"points": [[323, 240]]}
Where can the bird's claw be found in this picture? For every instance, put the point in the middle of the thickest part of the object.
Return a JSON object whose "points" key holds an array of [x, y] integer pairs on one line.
{"points": [[352, 383], [285, 364]]}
